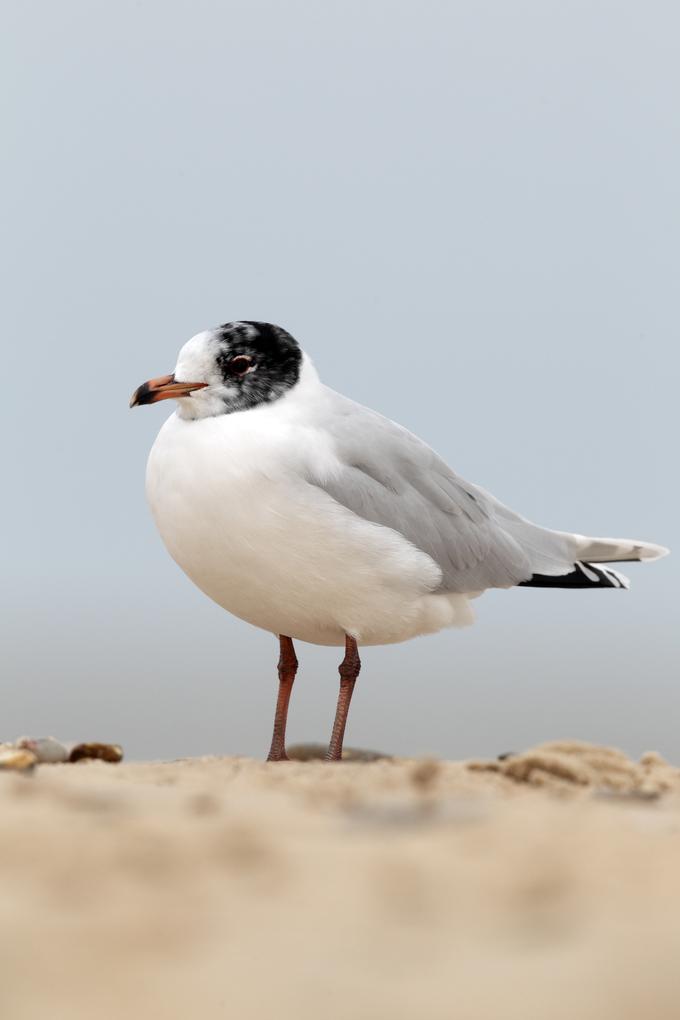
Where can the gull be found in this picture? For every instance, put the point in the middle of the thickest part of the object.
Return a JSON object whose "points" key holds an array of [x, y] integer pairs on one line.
{"points": [[317, 519]]}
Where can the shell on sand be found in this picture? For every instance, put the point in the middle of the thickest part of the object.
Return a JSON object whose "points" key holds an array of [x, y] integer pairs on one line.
{"points": [[16, 759], [46, 749]]}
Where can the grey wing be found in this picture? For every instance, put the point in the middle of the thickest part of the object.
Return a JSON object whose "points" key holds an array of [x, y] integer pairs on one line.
{"points": [[388, 476]]}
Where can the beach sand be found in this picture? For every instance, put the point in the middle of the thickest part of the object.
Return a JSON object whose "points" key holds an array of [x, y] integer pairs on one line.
{"points": [[541, 887]]}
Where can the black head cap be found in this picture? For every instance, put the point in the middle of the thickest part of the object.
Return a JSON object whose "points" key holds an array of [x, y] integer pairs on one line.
{"points": [[257, 361], [270, 347]]}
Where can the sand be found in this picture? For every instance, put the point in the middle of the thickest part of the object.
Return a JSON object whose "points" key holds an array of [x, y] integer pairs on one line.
{"points": [[542, 887]]}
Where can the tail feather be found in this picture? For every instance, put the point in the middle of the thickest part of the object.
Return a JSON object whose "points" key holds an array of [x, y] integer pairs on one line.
{"points": [[560, 559], [588, 574], [617, 550]]}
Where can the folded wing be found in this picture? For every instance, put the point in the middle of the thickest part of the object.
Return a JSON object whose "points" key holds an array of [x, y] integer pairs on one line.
{"points": [[386, 475]]}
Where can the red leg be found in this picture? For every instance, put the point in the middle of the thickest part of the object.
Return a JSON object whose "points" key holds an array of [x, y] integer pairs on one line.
{"points": [[288, 665], [349, 671]]}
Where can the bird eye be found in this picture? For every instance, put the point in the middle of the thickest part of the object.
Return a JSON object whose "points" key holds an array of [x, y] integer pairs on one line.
{"points": [[241, 365]]}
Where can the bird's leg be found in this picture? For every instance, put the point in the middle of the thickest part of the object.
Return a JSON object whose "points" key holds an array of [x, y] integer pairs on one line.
{"points": [[288, 665], [349, 671]]}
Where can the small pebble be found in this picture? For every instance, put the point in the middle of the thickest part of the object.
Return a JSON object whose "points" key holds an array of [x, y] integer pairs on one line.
{"points": [[102, 752]]}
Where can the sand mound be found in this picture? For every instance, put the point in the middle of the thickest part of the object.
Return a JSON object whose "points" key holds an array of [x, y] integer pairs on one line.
{"points": [[391, 889], [565, 763]]}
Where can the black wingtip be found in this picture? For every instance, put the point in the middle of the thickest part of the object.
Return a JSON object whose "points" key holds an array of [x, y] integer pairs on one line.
{"points": [[584, 575]]}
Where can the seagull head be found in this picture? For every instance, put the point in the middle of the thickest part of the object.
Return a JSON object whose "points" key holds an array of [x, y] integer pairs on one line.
{"points": [[231, 368]]}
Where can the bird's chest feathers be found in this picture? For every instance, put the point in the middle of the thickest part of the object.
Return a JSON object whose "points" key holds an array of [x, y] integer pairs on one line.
{"points": [[223, 489]]}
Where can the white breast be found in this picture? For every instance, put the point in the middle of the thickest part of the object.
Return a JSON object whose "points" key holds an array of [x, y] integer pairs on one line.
{"points": [[229, 497]]}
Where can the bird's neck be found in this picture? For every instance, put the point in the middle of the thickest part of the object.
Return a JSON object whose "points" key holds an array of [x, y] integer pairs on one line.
{"points": [[308, 380]]}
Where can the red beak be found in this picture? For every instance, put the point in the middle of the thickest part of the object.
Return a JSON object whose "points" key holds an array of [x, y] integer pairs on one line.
{"points": [[163, 388]]}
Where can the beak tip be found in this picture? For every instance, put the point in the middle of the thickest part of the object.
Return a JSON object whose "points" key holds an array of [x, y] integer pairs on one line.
{"points": [[141, 394]]}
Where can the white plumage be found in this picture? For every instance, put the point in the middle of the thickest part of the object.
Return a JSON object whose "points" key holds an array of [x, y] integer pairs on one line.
{"points": [[314, 517], [232, 500]]}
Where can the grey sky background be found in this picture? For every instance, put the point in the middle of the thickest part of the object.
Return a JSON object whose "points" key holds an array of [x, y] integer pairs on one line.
{"points": [[468, 215]]}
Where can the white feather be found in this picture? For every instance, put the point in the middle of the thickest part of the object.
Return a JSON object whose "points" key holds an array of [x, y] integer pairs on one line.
{"points": [[230, 500], [314, 517]]}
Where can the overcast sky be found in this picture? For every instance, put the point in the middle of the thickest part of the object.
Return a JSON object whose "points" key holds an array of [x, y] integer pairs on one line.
{"points": [[468, 214]]}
